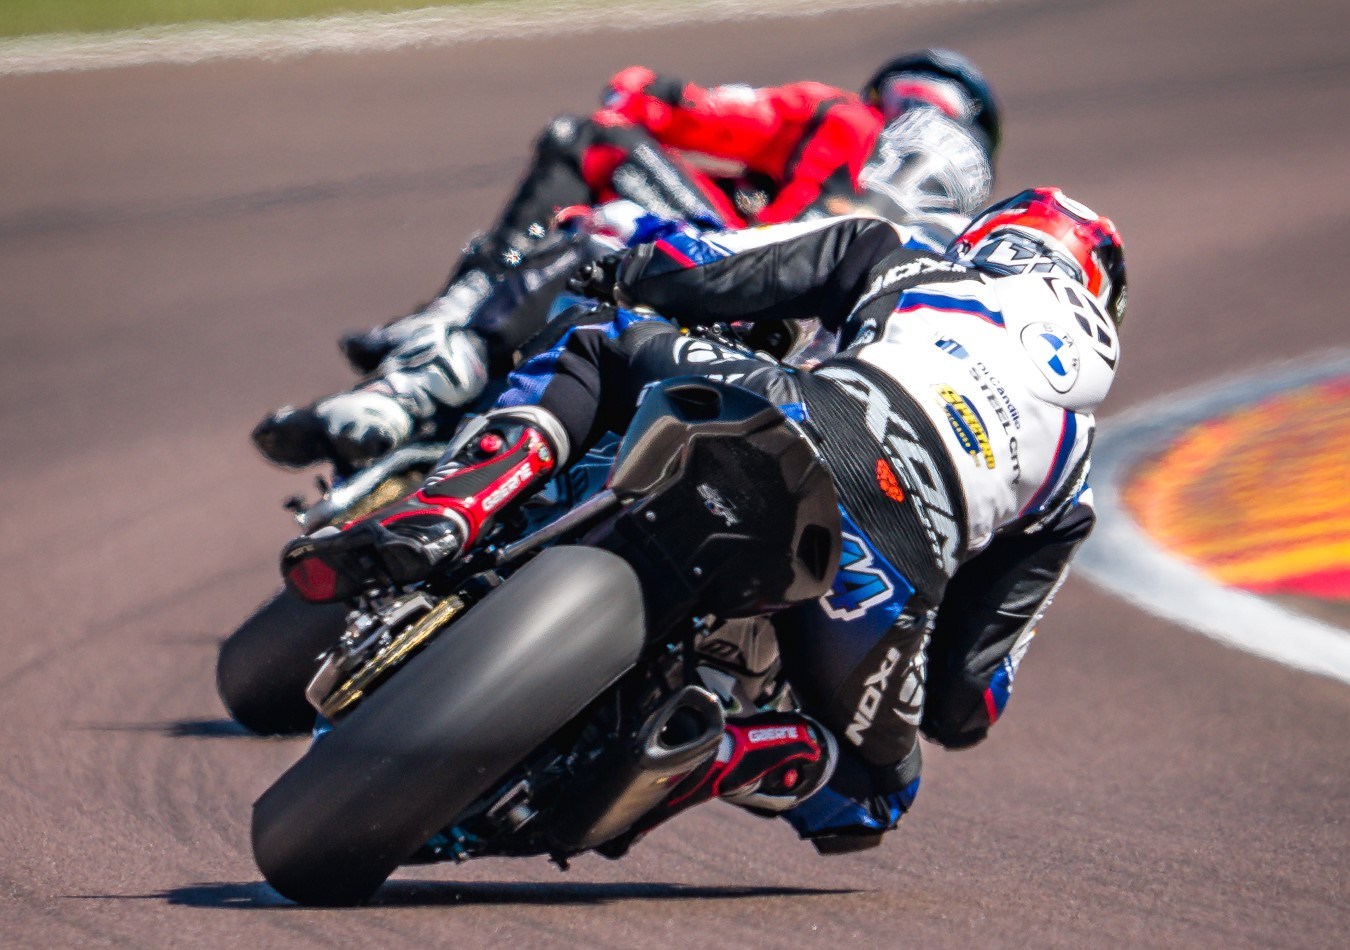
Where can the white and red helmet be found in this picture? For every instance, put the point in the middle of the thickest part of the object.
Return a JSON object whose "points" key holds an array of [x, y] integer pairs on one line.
{"points": [[1043, 231]]}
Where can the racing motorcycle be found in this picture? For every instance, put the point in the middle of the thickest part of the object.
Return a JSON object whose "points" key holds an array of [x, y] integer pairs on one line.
{"points": [[546, 690], [264, 667]]}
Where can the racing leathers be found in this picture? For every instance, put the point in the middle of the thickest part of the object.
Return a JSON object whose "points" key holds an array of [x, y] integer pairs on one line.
{"points": [[718, 157], [956, 423]]}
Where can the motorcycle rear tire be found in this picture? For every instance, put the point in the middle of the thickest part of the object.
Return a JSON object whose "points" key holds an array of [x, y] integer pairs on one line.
{"points": [[264, 666], [448, 726]]}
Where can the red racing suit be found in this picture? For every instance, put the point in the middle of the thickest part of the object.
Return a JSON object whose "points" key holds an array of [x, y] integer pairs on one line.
{"points": [[805, 138]]}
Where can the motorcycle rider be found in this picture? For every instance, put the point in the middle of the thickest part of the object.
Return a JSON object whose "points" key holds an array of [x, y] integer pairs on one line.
{"points": [[917, 146], [956, 422]]}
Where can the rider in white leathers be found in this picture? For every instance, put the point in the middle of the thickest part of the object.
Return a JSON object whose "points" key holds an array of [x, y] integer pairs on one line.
{"points": [[956, 421]]}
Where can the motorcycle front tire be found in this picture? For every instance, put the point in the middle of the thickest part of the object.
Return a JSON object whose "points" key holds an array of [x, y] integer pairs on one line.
{"points": [[264, 666]]}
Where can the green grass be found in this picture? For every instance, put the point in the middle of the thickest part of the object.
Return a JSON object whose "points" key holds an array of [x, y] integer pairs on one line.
{"points": [[27, 17]]}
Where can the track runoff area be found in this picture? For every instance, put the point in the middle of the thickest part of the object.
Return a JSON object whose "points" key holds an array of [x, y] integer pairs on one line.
{"points": [[371, 32], [1223, 508]]}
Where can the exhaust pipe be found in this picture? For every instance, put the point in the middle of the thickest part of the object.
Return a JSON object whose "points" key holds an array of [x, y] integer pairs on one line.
{"points": [[631, 780]]}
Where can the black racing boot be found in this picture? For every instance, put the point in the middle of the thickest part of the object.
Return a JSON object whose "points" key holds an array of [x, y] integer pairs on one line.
{"points": [[503, 460]]}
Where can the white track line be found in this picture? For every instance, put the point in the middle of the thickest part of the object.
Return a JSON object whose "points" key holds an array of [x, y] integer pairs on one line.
{"points": [[1122, 558], [355, 33]]}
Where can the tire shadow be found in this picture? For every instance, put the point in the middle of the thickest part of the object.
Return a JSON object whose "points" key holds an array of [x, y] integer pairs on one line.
{"points": [[243, 895], [405, 893], [215, 728]]}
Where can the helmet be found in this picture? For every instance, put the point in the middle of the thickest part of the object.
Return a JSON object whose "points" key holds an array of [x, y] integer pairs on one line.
{"points": [[1042, 231], [924, 164], [941, 78]]}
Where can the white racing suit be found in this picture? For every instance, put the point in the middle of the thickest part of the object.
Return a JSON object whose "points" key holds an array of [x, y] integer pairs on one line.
{"points": [[957, 422]]}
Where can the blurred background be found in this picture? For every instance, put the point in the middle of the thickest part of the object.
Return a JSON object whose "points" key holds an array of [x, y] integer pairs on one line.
{"points": [[30, 17], [181, 244]]}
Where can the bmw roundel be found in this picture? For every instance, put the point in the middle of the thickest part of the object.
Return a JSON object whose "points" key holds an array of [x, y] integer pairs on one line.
{"points": [[1054, 354]]}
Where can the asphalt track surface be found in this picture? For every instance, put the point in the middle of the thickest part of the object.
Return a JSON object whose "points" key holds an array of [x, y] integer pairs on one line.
{"points": [[178, 247]]}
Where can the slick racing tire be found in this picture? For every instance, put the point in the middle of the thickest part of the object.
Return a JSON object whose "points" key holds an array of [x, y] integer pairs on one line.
{"points": [[448, 726], [264, 666]]}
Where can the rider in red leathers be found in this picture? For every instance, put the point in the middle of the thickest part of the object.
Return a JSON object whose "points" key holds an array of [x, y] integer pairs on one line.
{"points": [[806, 142], [915, 146]]}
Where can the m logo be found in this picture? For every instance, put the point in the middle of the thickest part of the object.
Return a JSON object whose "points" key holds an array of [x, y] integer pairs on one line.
{"points": [[859, 585]]}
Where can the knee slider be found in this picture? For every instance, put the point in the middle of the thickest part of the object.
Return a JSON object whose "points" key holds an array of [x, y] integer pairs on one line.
{"points": [[956, 726], [955, 738]]}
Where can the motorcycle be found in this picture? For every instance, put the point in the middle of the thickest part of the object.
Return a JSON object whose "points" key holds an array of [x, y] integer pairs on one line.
{"points": [[264, 667], [544, 692]]}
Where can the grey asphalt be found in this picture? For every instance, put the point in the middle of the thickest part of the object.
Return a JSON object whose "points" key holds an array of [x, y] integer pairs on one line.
{"points": [[179, 246]]}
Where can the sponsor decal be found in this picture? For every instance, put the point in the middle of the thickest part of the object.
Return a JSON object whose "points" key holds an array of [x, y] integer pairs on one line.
{"points": [[914, 268], [870, 702], [1054, 354], [953, 348], [714, 503], [968, 426], [773, 733], [1005, 411], [888, 483], [860, 584], [1004, 408], [508, 488]]}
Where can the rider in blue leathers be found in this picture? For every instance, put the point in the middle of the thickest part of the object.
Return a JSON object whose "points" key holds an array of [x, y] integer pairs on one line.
{"points": [[956, 421]]}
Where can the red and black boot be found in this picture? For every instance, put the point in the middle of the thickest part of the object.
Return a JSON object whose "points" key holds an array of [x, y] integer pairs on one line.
{"points": [[766, 763], [505, 459]]}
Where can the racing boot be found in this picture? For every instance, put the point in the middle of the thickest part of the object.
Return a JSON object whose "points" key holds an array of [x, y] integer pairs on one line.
{"points": [[767, 763], [453, 309], [419, 386], [497, 460], [348, 429]]}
